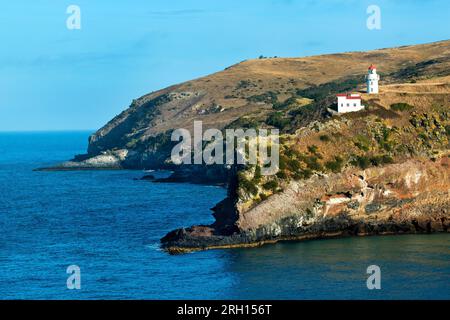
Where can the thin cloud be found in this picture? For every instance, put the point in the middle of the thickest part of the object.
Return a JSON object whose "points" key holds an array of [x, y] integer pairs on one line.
{"points": [[176, 12]]}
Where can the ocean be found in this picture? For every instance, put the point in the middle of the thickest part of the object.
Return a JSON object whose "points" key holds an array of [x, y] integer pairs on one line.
{"points": [[109, 225]]}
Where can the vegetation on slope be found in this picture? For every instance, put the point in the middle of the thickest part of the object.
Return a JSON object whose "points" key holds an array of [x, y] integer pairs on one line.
{"points": [[364, 139], [268, 92]]}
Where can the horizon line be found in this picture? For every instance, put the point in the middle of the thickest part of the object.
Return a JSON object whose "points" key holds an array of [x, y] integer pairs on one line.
{"points": [[47, 130]]}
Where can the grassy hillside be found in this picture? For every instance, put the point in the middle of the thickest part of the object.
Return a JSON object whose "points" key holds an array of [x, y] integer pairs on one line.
{"points": [[288, 93], [404, 121]]}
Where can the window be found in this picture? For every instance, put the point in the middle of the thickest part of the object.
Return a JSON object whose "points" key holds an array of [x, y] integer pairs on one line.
{"points": [[348, 104], [371, 89], [354, 104], [342, 104]]}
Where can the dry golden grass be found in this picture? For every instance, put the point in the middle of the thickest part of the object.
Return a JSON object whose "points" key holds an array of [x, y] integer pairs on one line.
{"points": [[343, 131], [422, 95], [285, 74], [230, 88]]}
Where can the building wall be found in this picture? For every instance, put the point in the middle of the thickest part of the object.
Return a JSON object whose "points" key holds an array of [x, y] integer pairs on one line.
{"points": [[372, 82], [348, 105]]}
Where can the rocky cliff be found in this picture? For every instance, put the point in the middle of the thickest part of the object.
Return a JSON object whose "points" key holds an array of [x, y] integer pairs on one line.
{"points": [[412, 197]]}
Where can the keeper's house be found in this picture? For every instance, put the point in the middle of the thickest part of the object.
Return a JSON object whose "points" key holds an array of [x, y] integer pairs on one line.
{"points": [[348, 102]]}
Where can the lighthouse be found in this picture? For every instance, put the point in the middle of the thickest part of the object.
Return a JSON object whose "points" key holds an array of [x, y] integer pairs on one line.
{"points": [[372, 80]]}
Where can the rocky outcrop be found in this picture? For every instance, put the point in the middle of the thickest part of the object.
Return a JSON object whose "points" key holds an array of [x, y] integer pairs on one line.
{"points": [[105, 160], [411, 197], [199, 174]]}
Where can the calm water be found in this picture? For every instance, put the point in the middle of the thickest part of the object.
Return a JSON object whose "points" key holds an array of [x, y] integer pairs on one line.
{"points": [[110, 225]]}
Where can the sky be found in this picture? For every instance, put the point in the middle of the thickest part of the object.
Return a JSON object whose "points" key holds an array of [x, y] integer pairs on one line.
{"points": [[55, 78]]}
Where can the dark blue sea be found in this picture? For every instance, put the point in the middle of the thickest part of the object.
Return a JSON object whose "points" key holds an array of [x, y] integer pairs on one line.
{"points": [[109, 225]]}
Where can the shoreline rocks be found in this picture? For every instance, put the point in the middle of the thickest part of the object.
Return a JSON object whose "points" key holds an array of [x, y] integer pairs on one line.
{"points": [[408, 198], [111, 160]]}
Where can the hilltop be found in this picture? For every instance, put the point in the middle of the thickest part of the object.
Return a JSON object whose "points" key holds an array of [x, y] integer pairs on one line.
{"points": [[267, 92]]}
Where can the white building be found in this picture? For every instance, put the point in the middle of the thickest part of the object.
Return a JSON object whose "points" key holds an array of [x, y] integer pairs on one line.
{"points": [[372, 80], [348, 102]]}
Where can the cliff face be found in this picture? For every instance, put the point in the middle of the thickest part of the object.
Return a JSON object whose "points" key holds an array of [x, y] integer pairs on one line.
{"points": [[412, 197], [400, 193]]}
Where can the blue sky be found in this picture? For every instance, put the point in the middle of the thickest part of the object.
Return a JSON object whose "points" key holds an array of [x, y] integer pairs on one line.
{"points": [[53, 78]]}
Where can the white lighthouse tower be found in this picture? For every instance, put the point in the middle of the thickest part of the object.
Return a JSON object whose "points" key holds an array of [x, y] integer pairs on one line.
{"points": [[372, 80]]}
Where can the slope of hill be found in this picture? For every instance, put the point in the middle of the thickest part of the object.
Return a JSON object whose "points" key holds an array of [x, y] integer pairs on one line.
{"points": [[384, 170], [248, 93]]}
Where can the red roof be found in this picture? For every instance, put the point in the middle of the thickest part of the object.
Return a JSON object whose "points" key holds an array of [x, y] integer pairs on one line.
{"points": [[357, 98], [349, 96], [372, 67]]}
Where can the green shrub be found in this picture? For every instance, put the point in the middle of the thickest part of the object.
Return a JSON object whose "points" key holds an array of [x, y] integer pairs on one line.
{"points": [[364, 161], [335, 165], [271, 185], [248, 186], [243, 122], [267, 97], [324, 138], [304, 115], [423, 136], [361, 161], [285, 104], [385, 159], [293, 165], [383, 138], [283, 162], [292, 153], [362, 142], [313, 149], [303, 174], [277, 120], [244, 84], [380, 160], [257, 176], [330, 88], [282, 175], [401, 107], [312, 163]]}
